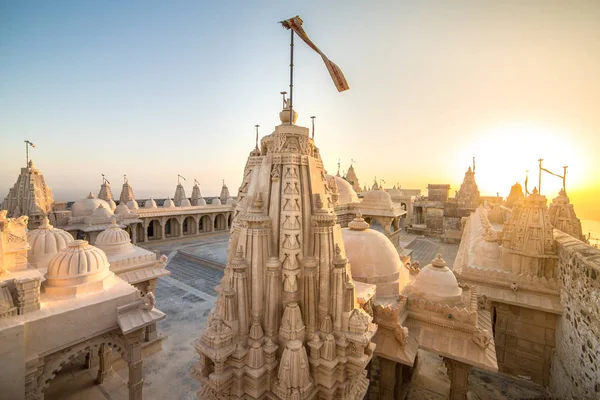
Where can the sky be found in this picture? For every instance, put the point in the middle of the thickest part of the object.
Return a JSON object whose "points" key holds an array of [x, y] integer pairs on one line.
{"points": [[153, 89]]}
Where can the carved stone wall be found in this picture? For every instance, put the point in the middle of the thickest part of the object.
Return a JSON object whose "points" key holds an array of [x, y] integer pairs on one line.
{"points": [[575, 369]]}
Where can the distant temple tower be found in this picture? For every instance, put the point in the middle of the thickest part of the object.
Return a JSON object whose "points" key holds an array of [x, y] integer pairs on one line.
{"points": [[224, 193], [197, 199], [562, 216], [106, 194], [286, 324], [179, 195], [29, 196], [353, 179], [468, 194], [515, 196], [126, 193]]}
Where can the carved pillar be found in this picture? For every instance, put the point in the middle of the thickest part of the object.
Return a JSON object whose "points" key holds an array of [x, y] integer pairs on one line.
{"points": [[151, 333], [133, 233], [162, 229], [105, 366], [180, 225], [273, 297], [310, 297], [145, 233], [388, 378], [323, 252], [239, 267], [133, 341], [458, 372], [91, 359], [338, 287]]}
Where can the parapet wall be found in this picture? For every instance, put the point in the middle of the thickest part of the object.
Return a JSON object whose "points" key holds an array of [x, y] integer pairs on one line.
{"points": [[575, 371]]}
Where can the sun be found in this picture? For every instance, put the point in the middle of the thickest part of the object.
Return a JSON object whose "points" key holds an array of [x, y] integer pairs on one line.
{"points": [[504, 153]]}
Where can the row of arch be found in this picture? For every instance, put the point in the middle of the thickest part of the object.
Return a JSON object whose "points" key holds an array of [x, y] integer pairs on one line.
{"points": [[188, 226]]}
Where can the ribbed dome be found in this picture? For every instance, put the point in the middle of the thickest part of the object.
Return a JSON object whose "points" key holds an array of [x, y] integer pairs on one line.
{"points": [[79, 268], [168, 203], [132, 205], [378, 198], [150, 203], [114, 240], [185, 203], [216, 202], [121, 209], [45, 242], [85, 207], [229, 201], [201, 202], [374, 258], [436, 282]]}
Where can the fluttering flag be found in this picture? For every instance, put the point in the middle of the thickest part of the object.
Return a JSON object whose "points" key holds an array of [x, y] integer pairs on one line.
{"points": [[29, 143], [335, 72]]}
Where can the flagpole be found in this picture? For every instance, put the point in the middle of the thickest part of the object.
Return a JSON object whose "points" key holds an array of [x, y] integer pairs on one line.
{"points": [[26, 154], [540, 177], [291, 75]]}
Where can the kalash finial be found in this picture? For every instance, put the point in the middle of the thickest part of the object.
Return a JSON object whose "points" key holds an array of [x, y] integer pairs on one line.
{"points": [[45, 224], [284, 115], [358, 223], [438, 261]]}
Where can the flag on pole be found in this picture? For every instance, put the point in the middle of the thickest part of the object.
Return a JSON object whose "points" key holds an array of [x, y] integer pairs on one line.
{"points": [[335, 72], [29, 143]]}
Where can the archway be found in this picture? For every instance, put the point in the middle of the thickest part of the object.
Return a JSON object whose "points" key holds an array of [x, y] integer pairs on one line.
{"points": [[204, 224], [154, 230], [220, 223], [171, 228], [189, 226]]}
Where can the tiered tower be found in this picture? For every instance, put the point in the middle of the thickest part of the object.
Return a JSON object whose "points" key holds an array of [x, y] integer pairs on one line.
{"points": [[468, 194], [126, 193], [528, 244], [286, 324], [197, 199], [562, 216], [179, 195], [353, 179], [29, 196], [224, 193], [515, 196]]}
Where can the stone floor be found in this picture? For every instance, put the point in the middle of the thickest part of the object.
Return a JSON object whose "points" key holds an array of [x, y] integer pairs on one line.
{"points": [[187, 296], [424, 249]]}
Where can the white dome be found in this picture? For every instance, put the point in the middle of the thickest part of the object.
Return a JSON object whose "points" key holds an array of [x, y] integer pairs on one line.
{"points": [[112, 204], [346, 193], [132, 204], [102, 212], [377, 199], [230, 201], [373, 258], [122, 209], [168, 203], [201, 202], [77, 269], [150, 203], [45, 242], [185, 203], [436, 282], [216, 202], [85, 207], [114, 240]]}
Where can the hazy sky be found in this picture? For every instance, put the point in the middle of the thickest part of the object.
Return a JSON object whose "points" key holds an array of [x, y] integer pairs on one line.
{"points": [[153, 89]]}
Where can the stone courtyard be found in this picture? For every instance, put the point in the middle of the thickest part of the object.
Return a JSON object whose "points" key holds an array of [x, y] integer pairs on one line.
{"points": [[188, 295]]}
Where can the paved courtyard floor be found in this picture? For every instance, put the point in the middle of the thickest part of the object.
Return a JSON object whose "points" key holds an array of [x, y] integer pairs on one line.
{"points": [[188, 295]]}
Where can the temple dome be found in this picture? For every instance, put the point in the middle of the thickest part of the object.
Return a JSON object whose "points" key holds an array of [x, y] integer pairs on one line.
{"points": [[102, 212], [45, 242], [114, 240], [216, 202], [85, 207], [185, 203], [168, 203], [377, 198], [132, 204], [374, 258], [150, 203], [436, 282], [230, 201], [78, 269], [201, 202], [122, 209], [346, 193]]}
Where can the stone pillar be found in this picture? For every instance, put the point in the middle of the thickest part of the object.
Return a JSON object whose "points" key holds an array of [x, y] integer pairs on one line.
{"points": [[151, 333], [180, 222], [133, 233], [162, 229], [150, 286], [91, 359], [105, 366], [388, 378], [273, 297], [398, 386], [311, 294], [458, 372], [145, 233], [133, 341]]}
